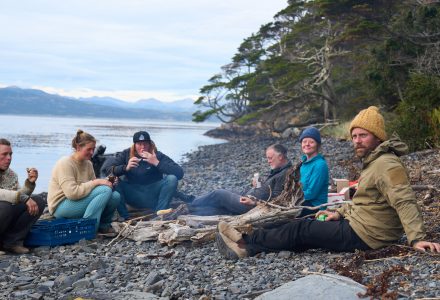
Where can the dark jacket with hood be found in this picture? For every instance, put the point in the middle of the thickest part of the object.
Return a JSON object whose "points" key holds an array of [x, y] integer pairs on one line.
{"points": [[145, 173], [273, 185]]}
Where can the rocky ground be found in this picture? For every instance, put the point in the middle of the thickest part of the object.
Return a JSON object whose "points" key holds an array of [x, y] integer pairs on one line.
{"points": [[92, 270]]}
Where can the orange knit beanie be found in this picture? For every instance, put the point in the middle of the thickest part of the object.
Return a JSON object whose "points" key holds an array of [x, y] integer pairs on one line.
{"points": [[370, 119]]}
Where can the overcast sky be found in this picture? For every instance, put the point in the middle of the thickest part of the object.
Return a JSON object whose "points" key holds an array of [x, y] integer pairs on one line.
{"points": [[127, 49]]}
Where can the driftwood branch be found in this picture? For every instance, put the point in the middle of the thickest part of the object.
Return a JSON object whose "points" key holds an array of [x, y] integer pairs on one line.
{"points": [[126, 225], [433, 171], [418, 187]]}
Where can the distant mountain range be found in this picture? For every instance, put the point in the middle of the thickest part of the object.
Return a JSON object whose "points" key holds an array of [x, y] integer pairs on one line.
{"points": [[185, 105], [14, 100]]}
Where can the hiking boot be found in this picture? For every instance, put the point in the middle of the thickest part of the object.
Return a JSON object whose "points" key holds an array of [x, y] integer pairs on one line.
{"points": [[228, 248], [184, 197], [17, 249], [229, 231]]}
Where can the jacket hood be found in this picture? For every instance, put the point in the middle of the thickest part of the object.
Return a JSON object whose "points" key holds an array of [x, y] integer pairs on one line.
{"points": [[392, 145]]}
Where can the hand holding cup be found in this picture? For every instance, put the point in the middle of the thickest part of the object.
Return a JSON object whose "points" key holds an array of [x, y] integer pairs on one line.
{"points": [[32, 174]]}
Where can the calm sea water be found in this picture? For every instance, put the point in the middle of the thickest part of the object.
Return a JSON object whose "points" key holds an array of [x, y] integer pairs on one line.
{"points": [[40, 141]]}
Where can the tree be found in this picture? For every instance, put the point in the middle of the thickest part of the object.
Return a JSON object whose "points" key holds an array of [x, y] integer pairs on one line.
{"points": [[332, 57]]}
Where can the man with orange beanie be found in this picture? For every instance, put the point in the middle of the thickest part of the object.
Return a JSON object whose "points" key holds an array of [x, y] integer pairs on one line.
{"points": [[383, 208]]}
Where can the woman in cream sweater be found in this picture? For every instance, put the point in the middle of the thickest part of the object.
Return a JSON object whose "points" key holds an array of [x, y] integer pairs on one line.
{"points": [[75, 192]]}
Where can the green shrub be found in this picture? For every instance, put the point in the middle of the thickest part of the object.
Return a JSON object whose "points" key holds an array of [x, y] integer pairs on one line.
{"points": [[417, 121], [339, 131]]}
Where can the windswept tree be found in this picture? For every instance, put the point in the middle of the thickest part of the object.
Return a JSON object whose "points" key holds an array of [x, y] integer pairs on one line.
{"points": [[227, 94], [331, 58]]}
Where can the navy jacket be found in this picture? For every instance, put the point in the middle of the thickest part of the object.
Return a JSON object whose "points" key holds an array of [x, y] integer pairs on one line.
{"points": [[145, 173]]}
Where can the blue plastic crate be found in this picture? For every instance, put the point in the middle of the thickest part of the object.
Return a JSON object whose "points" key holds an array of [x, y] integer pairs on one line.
{"points": [[60, 232]]}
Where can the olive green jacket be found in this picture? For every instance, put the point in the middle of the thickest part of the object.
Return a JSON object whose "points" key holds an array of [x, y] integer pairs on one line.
{"points": [[385, 205]]}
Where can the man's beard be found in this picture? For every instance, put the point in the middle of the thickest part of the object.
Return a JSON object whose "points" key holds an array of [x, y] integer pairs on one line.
{"points": [[362, 152]]}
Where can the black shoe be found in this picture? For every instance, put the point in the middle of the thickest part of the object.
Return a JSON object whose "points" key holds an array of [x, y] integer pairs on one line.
{"points": [[184, 197]]}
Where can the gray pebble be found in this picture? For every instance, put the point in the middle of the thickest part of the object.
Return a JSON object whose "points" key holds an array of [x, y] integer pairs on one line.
{"points": [[195, 272], [82, 284]]}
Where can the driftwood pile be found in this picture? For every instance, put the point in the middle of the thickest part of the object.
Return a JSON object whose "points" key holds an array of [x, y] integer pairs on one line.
{"points": [[200, 229]]}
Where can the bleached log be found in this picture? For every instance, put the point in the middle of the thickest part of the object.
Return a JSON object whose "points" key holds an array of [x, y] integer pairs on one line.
{"points": [[204, 236], [202, 220], [433, 171], [424, 187], [176, 234], [142, 231]]}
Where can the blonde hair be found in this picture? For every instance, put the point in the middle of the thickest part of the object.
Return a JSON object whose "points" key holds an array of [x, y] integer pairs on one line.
{"points": [[152, 149], [82, 138]]}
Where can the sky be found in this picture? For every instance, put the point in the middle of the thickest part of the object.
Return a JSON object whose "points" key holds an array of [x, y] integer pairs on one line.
{"points": [[126, 49]]}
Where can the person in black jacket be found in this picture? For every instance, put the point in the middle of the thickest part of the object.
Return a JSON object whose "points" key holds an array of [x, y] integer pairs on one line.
{"points": [[148, 178], [226, 202]]}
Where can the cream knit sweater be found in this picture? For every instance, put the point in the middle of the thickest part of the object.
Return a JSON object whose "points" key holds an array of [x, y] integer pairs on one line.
{"points": [[70, 179]]}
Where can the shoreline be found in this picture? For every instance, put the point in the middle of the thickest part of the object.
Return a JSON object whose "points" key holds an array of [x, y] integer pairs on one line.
{"points": [[89, 269]]}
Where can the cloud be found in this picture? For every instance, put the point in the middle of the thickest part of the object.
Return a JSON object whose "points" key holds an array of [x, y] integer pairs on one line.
{"points": [[135, 47]]}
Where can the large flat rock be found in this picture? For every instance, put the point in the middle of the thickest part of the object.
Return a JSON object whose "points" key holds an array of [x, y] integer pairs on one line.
{"points": [[325, 286]]}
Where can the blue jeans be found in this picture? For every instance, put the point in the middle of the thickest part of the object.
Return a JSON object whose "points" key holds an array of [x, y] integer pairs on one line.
{"points": [[100, 204], [155, 196], [219, 202]]}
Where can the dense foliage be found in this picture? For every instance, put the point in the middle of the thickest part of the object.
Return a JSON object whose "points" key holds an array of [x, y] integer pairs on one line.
{"points": [[336, 57]]}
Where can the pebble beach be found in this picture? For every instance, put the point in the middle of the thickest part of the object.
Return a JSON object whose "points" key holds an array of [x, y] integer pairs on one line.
{"points": [[148, 270]]}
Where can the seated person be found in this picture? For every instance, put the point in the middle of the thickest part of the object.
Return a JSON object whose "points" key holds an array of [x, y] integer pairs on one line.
{"points": [[384, 206], [148, 177], [226, 202], [18, 210], [74, 191], [313, 171]]}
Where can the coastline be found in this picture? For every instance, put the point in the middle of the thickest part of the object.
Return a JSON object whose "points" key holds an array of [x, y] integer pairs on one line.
{"points": [[90, 269]]}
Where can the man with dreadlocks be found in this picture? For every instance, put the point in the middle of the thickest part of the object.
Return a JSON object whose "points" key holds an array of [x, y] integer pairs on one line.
{"points": [[148, 177]]}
